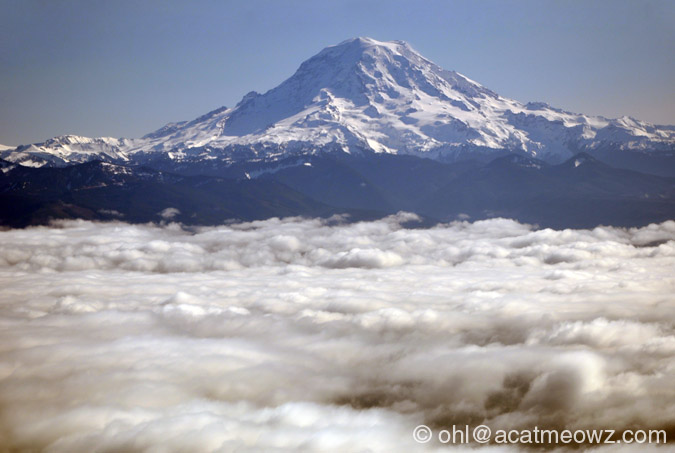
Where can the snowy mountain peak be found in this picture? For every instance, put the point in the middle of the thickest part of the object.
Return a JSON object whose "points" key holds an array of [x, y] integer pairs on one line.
{"points": [[363, 66], [366, 95], [361, 94]]}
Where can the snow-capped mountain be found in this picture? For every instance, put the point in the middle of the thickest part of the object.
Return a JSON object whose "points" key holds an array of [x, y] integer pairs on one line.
{"points": [[69, 149], [365, 95]]}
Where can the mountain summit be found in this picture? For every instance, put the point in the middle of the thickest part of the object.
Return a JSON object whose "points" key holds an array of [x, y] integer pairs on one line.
{"points": [[364, 95]]}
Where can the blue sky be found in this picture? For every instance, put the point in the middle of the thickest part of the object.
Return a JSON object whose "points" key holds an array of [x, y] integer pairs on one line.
{"points": [[124, 68]]}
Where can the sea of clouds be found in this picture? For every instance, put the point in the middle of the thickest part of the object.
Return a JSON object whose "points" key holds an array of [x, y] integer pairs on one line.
{"points": [[320, 336]]}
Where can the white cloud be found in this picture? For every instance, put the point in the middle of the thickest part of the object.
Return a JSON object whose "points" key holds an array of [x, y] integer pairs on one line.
{"points": [[288, 335], [169, 213]]}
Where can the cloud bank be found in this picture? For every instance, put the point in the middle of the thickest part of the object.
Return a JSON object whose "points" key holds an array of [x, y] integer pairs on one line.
{"points": [[309, 335]]}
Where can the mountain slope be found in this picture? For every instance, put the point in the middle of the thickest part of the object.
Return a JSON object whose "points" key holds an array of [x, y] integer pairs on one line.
{"points": [[579, 193], [364, 95], [103, 191]]}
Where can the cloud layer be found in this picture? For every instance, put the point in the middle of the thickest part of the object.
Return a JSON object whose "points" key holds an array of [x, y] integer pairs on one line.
{"points": [[303, 335]]}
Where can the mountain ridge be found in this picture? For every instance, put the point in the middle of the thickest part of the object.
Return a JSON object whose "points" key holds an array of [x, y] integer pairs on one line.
{"points": [[581, 192], [364, 95]]}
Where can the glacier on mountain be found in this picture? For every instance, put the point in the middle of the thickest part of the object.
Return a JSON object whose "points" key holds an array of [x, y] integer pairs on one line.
{"points": [[364, 95]]}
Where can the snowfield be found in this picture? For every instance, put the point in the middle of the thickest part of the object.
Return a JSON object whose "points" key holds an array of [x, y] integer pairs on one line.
{"points": [[317, 336], [366, 95]]}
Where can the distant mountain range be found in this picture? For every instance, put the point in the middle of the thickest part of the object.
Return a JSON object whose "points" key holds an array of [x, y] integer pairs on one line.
{"points": [[364, 128]]}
